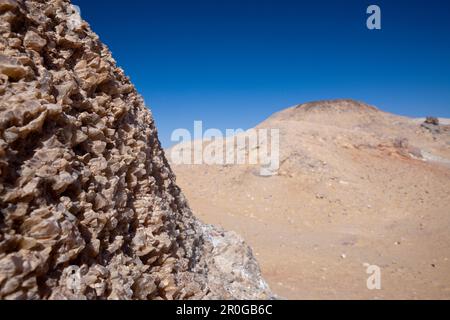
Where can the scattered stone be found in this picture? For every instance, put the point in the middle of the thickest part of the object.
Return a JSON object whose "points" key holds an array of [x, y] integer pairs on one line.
{"points": [[432, 120], [432, 124]]}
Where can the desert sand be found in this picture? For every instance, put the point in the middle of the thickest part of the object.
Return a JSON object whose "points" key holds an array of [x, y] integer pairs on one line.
{"points": [[357, 186]]}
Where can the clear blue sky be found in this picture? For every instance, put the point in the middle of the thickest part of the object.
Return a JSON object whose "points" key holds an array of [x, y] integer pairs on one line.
{"points": [[232, 63]]}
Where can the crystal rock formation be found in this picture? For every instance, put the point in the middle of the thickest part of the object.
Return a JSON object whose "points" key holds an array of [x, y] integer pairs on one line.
{"points": [[89, 205]]}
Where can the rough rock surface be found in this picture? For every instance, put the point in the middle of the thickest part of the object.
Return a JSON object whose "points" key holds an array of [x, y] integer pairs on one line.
{"points": [[89, 205]]}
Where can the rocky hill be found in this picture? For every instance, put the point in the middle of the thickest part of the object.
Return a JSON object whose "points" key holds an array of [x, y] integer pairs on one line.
{"points": [[89, 205], [356, 186]]}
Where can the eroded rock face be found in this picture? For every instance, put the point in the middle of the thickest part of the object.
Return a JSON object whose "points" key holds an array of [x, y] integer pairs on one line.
{"points": [[89, 205]]}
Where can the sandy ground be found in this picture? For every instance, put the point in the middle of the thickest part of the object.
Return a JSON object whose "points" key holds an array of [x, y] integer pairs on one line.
{"points": [[356, 186]]}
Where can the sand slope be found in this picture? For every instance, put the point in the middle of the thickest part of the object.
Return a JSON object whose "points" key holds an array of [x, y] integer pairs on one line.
{"points": [[356, 186]]}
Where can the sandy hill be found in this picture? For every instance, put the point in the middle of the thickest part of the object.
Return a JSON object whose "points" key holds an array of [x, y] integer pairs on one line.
{"points": [[356, 186]]}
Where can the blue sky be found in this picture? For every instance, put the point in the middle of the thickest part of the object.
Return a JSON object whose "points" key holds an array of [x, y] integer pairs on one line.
{"points": [[233, 63]]}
